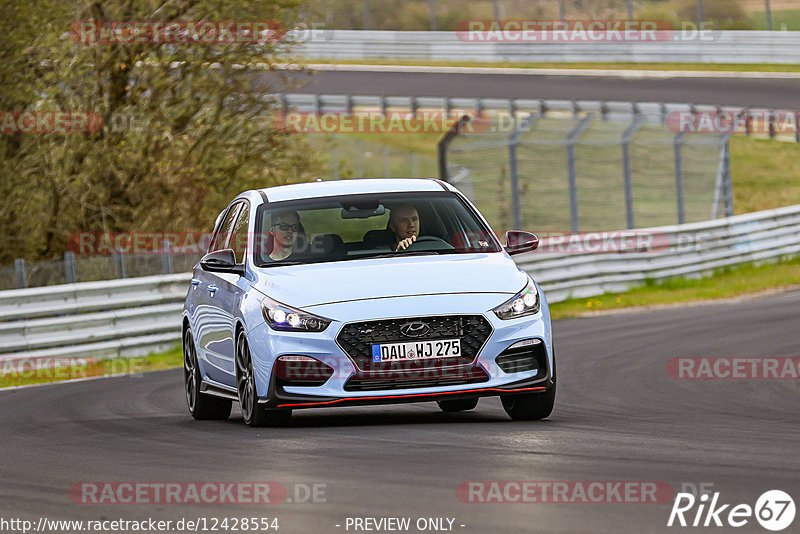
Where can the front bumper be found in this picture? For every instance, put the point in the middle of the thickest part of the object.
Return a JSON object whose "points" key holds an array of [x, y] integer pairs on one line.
{"points": [[267, 345]]}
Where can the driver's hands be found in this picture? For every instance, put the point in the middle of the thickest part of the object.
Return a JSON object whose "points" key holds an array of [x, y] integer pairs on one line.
{"points": [[405, 243]]}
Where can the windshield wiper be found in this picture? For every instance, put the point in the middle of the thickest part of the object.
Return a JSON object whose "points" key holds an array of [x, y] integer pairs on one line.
{"points": [[282, 263], [395, 254]]}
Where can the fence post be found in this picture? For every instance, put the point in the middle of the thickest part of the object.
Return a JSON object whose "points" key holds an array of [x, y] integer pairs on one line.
{"points": [[768, 14], [516, 209], [361, 169], [119, 259], [444, 144], [626, 168], [679, 178], [524, 125], [20, 275], [365, 22], [387, 170], [335, 160], [772, 116], [797, 126], [699, 15], [728, 180], [573, 184], [69, 267]]}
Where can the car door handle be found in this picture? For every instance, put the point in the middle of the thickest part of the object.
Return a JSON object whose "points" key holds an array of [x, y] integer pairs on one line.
{"points": [[195, 282], [212, 289]]}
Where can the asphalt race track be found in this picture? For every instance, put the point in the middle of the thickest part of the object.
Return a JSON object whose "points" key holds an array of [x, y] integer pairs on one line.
{"points": [[769, 93], [618, 417]]}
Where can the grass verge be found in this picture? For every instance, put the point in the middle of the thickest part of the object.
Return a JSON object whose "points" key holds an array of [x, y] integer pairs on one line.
{"points": [[741, 280]]}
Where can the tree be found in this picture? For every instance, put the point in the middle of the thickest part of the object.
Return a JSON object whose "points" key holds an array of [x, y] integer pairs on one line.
{"points": [[185, 125]]}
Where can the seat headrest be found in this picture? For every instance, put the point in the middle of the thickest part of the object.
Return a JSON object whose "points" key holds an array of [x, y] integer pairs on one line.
{"points": [[326, 243], [379, 237]]}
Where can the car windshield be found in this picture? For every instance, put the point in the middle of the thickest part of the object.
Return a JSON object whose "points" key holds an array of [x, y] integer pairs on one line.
{"points": [[367, 226]]}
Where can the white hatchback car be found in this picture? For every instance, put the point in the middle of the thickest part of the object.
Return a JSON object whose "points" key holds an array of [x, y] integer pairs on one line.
{"points": [[360, 292]]}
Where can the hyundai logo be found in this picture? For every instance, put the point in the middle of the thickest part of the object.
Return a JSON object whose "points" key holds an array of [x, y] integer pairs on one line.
{"points": [[415, 329]]}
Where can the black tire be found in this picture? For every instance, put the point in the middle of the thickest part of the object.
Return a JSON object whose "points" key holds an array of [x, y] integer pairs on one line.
{"points": [[531, 406], [460, 405], [202, 407], [253, 413]]}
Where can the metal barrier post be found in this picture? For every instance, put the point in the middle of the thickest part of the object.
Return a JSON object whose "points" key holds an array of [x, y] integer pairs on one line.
{"points": [[69, 267], [119, 259], [166, 258], [20, 275]]}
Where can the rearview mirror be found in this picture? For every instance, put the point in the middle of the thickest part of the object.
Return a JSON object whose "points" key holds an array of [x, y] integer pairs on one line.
{"points": [[221, 261], [359, 212], [518, 242]]}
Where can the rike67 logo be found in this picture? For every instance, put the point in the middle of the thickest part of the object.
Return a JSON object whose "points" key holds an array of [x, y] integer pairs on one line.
{"points": [[774, 510]]}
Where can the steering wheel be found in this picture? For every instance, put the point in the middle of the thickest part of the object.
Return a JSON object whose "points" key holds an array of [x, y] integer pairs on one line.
{"points": [[428, 242]]}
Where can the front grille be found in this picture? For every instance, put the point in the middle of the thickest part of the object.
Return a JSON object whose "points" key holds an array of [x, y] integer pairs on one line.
{"points": [[356, 340], [424, 379], [522, 359]]}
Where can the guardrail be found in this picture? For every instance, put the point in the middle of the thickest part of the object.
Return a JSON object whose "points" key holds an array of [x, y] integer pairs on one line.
{"points": [[124, 318], [765, 47], [116, 318]]}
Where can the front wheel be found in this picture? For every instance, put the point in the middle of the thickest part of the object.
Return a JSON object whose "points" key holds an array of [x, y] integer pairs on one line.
{"points": [[200, 406], [254, 414], [532, 406]]}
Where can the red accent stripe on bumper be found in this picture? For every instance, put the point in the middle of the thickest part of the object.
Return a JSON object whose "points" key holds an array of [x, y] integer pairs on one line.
{"points": [[345, 399]]}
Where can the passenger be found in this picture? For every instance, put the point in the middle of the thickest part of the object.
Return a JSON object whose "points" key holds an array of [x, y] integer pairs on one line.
{"points": [[282, 234], [404, 223]]}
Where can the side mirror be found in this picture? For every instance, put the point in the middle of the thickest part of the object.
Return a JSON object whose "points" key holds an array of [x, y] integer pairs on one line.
{"points": [[221, 261], [518, 242]]}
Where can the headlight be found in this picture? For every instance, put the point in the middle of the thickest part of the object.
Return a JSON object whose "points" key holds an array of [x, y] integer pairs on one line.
{"points": [[285, 318], [526, 302]]}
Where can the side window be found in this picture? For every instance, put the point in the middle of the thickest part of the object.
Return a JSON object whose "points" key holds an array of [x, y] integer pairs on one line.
{"points": [[223, 234], [238, 241]]}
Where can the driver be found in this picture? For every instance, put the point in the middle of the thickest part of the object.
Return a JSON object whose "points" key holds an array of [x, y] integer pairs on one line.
{"points": [[404, 223]]}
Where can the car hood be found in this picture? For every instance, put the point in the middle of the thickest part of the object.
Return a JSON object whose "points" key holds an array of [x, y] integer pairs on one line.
{"points": [[326, 283]]}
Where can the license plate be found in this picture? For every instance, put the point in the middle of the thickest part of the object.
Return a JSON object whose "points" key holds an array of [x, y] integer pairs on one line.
{"points": [[416, 350]]}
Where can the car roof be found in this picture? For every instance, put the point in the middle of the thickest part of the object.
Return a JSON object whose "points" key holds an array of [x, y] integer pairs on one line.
{"points": [[352, 187]]}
